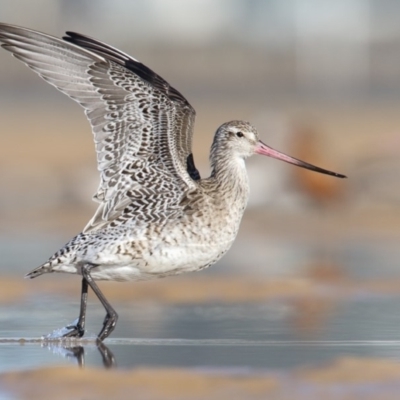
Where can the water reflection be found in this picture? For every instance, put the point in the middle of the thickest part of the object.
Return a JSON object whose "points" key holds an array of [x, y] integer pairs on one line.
{"points": [[217, 354], [77, 352], [71, 350]]}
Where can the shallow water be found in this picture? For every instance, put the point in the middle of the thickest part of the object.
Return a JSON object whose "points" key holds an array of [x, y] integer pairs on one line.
{"points": [[222, 336]]}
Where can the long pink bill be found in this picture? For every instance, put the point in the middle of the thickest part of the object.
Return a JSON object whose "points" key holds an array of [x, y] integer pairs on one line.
{"points": [[270, 152]]}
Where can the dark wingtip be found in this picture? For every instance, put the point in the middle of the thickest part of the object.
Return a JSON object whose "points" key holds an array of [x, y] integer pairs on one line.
{"points": [[69, 36], [115, 55]]}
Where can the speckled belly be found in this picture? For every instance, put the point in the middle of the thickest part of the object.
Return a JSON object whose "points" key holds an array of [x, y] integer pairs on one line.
{"points": [[162, 261], [150, 253]]}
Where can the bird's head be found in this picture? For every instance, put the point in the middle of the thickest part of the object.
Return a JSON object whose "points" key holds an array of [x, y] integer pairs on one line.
{"points": [[240, 139]]}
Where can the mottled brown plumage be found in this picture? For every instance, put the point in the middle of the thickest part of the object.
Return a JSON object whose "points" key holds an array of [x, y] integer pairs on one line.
{"points": [[156, 217]]}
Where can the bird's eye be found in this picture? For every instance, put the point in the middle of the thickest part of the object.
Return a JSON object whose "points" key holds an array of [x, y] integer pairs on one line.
{"points": [[239, 134]]}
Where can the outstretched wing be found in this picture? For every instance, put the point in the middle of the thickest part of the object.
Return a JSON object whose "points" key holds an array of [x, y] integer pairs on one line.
{"points": [[142, 126]]}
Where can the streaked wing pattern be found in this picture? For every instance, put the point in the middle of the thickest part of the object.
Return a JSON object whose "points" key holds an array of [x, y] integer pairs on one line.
{"points": [[142, 126]]}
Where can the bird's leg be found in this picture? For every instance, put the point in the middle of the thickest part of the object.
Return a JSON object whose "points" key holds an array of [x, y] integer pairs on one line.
{"points": [[110, 321], [77, 328]]}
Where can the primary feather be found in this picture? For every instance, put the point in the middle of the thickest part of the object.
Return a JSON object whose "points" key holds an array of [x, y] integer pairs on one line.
{"points": [[137, 118]]}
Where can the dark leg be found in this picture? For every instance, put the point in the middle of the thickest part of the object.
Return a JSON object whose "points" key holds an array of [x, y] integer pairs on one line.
{"points": [[110, 321], [77, 328]]}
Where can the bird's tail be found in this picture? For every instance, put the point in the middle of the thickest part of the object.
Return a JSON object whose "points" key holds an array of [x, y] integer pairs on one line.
{"points": [[44, 268]]}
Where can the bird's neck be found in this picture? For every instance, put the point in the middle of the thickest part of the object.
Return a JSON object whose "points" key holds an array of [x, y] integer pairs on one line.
{"points": [[230, 176]]}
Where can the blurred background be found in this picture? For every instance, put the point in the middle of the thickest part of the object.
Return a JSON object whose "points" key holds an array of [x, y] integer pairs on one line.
{"points": [[319, 79]]}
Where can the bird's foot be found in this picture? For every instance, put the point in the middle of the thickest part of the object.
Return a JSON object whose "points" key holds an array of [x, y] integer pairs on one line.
{"points": [[108, 325], [73, 330]]}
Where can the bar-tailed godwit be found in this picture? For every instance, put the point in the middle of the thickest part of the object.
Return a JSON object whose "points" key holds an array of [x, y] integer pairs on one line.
{"points": [[156, 217]]}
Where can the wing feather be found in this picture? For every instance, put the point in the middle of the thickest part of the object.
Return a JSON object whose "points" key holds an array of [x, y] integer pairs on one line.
{"points": [[142, 126]]}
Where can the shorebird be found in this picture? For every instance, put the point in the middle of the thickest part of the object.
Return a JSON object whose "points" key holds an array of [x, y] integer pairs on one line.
{"points": [[156, 216]]}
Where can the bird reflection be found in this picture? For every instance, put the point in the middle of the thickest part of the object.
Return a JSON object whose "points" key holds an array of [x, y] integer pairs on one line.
{"points": [[76, 351], [107, 355]]}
